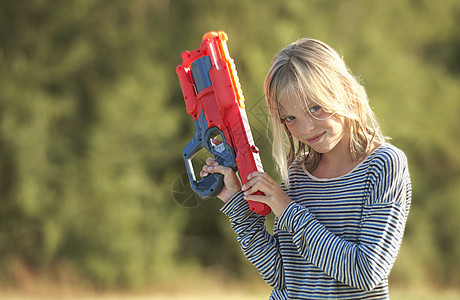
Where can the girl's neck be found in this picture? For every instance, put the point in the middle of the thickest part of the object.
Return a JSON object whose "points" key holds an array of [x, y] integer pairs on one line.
{"points": [[336, 162], [333, 168], [339, 162]]}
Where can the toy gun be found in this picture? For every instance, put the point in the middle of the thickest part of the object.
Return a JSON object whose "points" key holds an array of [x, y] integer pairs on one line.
{"points": [[214, 99]]}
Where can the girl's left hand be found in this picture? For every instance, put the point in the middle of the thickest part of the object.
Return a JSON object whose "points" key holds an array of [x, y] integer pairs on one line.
{"points": [[275, 197]]}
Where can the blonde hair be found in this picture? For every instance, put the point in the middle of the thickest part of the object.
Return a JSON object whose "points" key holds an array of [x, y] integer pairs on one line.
{"points": [[313, 72]]}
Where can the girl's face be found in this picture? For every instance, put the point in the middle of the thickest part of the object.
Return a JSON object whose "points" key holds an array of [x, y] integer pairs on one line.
{"points": [[313, 126]]}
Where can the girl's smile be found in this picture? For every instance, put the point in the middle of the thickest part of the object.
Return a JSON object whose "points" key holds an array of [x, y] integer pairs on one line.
{"points": [[316, 138]]}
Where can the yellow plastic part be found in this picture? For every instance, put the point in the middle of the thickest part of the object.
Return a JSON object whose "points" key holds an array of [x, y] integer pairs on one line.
{"points": [[210, 35]]}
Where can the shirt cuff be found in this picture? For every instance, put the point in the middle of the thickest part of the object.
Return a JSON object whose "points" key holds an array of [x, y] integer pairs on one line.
{"points": [[233, 204], [293, 217]]}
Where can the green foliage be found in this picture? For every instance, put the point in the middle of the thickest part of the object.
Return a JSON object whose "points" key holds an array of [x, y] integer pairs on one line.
{"points": [[92, 126], [85, 129]]}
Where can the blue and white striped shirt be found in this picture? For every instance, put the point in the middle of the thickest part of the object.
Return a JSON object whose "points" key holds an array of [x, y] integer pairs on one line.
{"points": [[339, 237]]}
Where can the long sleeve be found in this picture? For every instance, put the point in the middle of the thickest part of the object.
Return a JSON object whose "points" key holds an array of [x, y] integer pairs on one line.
{"points": [[258, 245]]}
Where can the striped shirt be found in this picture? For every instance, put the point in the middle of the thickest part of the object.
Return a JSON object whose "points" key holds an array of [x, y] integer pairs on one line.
{"points": [[339, 237]]}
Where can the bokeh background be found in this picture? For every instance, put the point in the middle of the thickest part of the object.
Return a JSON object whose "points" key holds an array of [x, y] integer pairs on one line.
{"points": [[93, 123]]}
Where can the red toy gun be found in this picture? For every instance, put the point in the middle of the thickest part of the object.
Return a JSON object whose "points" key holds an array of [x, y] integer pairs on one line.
{"points": [[214, 99]]}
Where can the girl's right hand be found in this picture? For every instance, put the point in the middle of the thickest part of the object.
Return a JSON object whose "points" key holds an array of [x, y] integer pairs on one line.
{"points": [[232, 183]]}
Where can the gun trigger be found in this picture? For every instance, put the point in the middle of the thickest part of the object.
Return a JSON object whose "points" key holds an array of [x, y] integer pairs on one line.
{"points": [[220, 148]]}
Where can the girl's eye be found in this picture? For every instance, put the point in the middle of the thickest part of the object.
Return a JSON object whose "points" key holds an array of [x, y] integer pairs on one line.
{"points": [[288, 119], [315, 109]]}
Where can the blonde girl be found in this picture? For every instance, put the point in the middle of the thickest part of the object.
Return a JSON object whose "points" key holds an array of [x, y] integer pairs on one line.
{"points": [[346, 192]]}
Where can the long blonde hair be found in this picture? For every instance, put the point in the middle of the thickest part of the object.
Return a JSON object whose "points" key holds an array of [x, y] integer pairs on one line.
{"points": [[312, 71]]}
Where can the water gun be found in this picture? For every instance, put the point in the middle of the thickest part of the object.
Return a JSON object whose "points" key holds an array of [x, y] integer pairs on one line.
{"points": [[214, 99]]}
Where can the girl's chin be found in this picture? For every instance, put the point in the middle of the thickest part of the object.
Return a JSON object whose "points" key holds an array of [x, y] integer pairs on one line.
{"points": [[322, 147]]}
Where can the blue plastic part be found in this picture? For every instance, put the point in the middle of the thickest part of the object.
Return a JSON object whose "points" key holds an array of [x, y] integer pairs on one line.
{"points": [[200, 73], [211, 185]]}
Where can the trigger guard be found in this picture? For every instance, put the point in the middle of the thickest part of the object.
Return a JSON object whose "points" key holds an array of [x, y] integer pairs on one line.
{"points": [[223, 153], [211, 185]]}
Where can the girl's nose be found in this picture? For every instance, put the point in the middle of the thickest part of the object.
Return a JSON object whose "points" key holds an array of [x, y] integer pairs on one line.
{"points": [[308, 125]]}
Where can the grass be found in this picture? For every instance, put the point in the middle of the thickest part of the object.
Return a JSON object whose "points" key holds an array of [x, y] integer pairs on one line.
{"points": [[215, 293], [188, 286]]}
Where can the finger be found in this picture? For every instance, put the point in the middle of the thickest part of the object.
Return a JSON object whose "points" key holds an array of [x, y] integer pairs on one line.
{"points": [[204, 171], [207, 168], [209, 161], [257, 198], [253, 186], [216, 168], [216, 142], [248, 185], [255, 174], [263, 178], [256, 177]]}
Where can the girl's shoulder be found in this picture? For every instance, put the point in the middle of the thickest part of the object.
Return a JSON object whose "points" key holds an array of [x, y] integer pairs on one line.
{"points": [[387, 158], [387, 152]]}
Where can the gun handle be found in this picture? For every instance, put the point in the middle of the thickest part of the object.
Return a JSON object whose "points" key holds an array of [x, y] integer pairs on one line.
{"points": [[209, 186]]}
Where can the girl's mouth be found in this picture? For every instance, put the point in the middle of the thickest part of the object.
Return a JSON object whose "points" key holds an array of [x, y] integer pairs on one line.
{"points": [[315, 139]]}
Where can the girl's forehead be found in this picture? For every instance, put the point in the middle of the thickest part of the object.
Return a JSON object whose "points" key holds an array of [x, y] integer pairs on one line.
{"points": [[290, 103]]}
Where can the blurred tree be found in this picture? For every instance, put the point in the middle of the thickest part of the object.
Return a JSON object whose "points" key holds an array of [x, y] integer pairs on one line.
{"points": [[84, 128]]}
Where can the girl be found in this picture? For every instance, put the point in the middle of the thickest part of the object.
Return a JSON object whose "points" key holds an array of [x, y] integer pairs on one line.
{"points": [[344, 201]]}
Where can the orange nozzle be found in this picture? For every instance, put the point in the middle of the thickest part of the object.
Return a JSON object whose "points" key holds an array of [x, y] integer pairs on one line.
{"points": [[210, 35]]}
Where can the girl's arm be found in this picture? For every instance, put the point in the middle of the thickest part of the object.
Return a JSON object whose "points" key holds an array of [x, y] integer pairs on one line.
{"points": [[260, 247], [362, 265], [256, 242]]}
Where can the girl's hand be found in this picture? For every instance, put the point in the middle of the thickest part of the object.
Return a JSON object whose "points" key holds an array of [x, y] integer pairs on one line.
{"points": [[232, 183], [275, 197]]}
